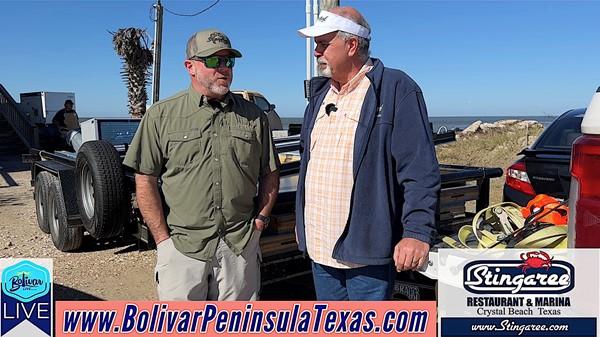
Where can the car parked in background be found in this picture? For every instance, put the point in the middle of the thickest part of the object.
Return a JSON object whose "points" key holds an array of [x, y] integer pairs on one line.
{"points": [[544, 167]]}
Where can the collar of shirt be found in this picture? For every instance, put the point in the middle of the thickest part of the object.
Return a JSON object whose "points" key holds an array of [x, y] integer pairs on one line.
{"points": [[199, 100], [346, 89], [355, 80], [222, 105]]}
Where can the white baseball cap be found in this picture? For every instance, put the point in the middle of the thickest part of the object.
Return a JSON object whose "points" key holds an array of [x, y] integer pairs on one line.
{"points": [[329, 22]]}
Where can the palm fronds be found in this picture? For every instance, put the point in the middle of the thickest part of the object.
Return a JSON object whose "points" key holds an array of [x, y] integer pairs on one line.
{"points": [[131, 44]]}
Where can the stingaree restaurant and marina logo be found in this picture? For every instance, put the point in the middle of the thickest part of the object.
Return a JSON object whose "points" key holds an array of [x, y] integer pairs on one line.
{"points": [[26, 299], [519, 292], [536, 273]]}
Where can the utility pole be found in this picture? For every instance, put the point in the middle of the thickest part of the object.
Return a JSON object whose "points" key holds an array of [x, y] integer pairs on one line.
{"points": [[308, 42], [158, 21], [308, 53], [312, 14], [315, 11]]}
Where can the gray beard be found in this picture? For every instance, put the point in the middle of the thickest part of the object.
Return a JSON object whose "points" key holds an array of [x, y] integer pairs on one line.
{"points": [[324, 72], [212, 87], [218, 89]]}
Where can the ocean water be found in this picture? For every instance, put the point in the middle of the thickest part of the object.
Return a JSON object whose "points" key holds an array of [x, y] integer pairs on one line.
{"points": [[454, 122]]}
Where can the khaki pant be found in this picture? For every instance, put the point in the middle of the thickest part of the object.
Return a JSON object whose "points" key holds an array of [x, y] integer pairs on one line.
{"points": [[226, 277]]}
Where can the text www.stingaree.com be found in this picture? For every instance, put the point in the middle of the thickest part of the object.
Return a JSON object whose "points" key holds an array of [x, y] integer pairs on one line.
{"points": [[319, 318], [507, 325]]}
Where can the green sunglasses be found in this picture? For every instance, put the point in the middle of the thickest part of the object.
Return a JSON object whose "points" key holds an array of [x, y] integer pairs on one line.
{"points": [[214, 62]]}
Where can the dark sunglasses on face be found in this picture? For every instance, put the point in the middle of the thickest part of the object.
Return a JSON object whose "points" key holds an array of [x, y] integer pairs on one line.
{"points": [[214, 62]]}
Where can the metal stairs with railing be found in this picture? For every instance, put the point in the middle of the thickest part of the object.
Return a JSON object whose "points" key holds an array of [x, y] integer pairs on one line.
{"points": [[10, 143], [17, 133]]}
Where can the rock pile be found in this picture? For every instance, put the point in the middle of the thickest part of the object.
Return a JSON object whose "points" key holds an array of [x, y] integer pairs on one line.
{"points": [[508, 124]]}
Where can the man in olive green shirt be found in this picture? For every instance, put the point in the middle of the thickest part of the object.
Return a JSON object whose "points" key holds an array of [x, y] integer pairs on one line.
{"points": [[210, 149]]}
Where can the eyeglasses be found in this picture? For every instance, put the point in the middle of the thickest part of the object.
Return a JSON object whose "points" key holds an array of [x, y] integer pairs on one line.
{"points": [[214, 62]]}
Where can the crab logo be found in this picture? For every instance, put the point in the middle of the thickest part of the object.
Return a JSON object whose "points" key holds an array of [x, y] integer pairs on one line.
{"points": [[535, 273], [539, 259], [217, 37]]}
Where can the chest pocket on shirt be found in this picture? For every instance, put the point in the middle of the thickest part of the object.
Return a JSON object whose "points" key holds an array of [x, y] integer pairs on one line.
{"points": [[184, 147], [245, 147]]}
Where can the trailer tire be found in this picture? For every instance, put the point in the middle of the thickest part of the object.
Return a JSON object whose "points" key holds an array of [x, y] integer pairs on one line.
{"points": [[64, 238], [41, 188], [101, 196]]}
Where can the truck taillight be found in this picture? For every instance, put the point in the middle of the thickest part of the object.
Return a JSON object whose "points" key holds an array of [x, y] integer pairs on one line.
{"points": [[516, 177], [584, 202]]}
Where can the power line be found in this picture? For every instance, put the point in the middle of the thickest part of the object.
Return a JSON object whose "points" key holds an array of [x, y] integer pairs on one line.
{"points": [[194, 14]]}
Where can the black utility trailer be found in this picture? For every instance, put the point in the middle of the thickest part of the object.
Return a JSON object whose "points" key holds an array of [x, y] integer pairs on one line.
{"points": [[91, 191]]}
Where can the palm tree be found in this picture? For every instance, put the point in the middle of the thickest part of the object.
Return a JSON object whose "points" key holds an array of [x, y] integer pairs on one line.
{"points": [[131, 44]]}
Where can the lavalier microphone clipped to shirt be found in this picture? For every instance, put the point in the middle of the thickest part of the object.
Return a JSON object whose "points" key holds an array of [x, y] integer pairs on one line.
{"points": [[329, 108]]}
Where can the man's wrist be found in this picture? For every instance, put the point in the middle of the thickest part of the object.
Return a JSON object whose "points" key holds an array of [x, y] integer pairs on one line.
{"points": [[160, 238], [263, 218]]}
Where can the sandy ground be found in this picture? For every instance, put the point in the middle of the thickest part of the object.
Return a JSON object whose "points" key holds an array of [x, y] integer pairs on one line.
{"points": [[114, 270], [110, 270]]}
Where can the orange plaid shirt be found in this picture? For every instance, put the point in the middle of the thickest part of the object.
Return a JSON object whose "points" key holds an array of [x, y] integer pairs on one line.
{"points": [[329, 177]]}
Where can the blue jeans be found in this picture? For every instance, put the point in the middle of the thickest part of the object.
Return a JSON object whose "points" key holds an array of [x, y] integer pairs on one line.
{"points": [[369, 283]]}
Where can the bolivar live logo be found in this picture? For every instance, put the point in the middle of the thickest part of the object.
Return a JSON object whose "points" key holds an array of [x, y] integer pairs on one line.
{"points": [[26, 298]]}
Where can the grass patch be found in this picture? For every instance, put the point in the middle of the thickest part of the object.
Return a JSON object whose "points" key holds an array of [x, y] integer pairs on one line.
{"points": [[495, 148]]}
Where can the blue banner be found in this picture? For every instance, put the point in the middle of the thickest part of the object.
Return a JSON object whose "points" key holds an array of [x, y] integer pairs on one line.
{"points": [[512, 326]]}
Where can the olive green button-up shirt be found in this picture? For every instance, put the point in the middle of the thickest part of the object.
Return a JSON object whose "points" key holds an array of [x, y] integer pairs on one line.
{"points": [[209, 156]]}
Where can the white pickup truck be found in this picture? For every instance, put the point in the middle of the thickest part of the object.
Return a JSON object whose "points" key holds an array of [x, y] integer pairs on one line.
{"points": [[584, 197]]}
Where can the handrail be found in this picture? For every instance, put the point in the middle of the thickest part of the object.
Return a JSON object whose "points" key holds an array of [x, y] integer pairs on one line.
{"points": [[24, 128]]}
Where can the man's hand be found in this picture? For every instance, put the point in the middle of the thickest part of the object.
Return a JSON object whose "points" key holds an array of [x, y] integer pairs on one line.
{"points": [[259, 225], [410, 254]]}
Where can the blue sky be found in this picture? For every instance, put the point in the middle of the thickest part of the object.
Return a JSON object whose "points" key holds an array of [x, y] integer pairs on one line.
{"points": [[469, 57]]}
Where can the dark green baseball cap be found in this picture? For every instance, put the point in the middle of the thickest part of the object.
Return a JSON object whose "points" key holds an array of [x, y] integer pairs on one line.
{"points": [[207, 42]]}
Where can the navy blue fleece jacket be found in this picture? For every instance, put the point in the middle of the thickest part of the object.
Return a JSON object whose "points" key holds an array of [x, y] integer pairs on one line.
{"points": [[396, 174]]}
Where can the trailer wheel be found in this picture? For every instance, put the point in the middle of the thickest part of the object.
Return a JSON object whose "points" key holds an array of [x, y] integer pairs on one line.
{"points": [[101, 196], [40, 195], [64, 238]]}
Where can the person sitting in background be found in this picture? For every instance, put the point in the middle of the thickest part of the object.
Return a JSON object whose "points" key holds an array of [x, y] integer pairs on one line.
{"points": [[65, 125], [66, 119]]}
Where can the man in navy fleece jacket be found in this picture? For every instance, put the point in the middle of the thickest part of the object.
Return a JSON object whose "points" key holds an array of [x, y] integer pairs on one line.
{"points": [[369, 178]]}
